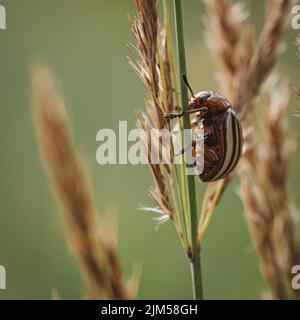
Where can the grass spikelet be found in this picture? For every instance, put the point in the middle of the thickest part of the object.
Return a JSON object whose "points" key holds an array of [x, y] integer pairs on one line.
{"points": [[151, 61], [152, 57], [143, 56], [276, 19], [92, 243], [244, 66], [270, 213], [252, 64], [223, 35]]}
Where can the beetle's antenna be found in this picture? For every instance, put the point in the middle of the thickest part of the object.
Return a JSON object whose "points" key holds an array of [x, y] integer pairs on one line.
{"points": [[188, 85]]}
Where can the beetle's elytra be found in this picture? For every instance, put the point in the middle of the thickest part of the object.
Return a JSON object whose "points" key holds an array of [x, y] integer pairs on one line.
{"points": [[223, 140]]}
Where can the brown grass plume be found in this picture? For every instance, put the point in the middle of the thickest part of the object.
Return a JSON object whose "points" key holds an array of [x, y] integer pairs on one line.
{"points": [[92, 243]]}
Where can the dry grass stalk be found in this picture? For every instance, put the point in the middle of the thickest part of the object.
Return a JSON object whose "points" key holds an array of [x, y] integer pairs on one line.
{"points": [[150, 58], [143, 56], [166, 67], [297, 43], [276, 20], [243, 68], [160, 191], [265, 193], [223, 35], [96, 249]]}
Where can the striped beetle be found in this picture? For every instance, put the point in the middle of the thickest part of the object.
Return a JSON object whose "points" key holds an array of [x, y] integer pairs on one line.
{"points": [[223, 139]]}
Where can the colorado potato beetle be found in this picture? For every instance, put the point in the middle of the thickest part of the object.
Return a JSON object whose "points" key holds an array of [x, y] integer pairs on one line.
{"points": [[223, 139]]}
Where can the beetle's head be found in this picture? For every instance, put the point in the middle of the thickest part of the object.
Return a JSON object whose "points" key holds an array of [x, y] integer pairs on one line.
{"points": [[198, 100]]}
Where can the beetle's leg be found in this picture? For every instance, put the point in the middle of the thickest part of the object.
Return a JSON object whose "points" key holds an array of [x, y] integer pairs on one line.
{"points": [[210, 140], [191, 146], [210, 155], [185, 113], [191, 111], [171, 116], [211, 158], [194, 124]]}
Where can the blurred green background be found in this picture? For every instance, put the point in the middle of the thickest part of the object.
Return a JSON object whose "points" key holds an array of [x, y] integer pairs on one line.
{"points": [[84, 43]]}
